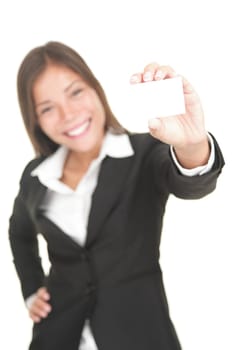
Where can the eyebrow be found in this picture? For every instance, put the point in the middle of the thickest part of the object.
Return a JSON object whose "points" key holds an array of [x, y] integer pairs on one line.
{"points": [[71, 84], [42, 103], [65, 90]]}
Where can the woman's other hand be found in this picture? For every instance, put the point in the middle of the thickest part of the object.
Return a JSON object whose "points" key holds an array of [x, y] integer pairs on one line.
{"points": [[38, 305]]}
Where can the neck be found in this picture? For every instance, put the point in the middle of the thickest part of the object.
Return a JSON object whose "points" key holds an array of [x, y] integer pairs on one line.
{"points": [[81, 160]]}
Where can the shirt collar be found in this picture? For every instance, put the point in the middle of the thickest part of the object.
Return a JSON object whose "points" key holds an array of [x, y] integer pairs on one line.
{"points": [[115, 146]]}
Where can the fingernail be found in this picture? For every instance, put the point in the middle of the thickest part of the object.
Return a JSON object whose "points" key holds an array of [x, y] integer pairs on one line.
{"points": [[148, 76], [159, 75], [135, 79]]}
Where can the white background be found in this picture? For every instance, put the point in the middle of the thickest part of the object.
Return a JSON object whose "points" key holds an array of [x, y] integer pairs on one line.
{"points": [[117, 38]]}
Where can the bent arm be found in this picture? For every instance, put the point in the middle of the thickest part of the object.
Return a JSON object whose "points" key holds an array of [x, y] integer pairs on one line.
{"points": [[24, 246]]}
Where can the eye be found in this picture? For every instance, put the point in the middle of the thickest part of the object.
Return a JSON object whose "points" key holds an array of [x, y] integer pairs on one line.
{"points": [[45, 110], [76, 92]]}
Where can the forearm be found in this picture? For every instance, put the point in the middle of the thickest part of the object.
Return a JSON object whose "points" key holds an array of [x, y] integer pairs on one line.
{"points": [[24, 247]]}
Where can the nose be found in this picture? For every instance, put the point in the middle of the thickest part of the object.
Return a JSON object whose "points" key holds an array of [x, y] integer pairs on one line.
{"points": [[66, 111]]}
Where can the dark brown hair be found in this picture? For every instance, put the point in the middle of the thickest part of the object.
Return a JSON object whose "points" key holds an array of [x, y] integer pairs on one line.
{"points": [[31, 67]]}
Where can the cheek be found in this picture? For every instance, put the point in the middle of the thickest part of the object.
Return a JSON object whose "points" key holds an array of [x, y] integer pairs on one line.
{"points": [[97, 109], [100, 121], [100, 115], [47, 127]]}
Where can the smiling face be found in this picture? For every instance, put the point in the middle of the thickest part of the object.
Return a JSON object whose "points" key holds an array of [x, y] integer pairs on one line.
{"points": [[69, 111]]}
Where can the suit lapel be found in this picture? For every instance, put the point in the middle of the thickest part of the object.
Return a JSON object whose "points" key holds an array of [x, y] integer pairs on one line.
{"points": [[111, 182], [35, 197], [34, 200]]}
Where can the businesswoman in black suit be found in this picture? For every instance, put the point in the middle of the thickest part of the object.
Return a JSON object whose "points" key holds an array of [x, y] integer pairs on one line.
{"points": [[97, 194]]}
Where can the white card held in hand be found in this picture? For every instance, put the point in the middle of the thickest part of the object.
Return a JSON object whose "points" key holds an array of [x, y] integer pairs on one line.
{"points": [[159, 98]]}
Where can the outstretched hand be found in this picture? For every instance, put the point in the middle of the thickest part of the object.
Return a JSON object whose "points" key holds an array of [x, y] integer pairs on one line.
{"points": [[185, 132]]}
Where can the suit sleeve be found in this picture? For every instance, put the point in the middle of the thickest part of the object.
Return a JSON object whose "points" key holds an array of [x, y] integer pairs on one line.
{"points": [[24, 246], [186, 187]]}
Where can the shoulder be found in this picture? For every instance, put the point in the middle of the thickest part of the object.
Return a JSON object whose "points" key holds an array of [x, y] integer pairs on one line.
{"points": [[31, 165], [27, 182]]}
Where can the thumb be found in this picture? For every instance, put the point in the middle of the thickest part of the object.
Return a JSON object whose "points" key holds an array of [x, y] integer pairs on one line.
{"points": [[154, 123], [155, 126]]}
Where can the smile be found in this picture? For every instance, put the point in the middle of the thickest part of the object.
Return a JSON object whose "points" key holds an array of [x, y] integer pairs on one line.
{"points": [[77, 131]]}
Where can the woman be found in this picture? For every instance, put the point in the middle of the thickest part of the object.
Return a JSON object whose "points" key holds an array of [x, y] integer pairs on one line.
{"points": [[97, 194]]}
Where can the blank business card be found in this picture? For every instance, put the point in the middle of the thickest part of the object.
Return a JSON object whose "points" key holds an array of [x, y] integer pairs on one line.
{"points": [[156, 98]]}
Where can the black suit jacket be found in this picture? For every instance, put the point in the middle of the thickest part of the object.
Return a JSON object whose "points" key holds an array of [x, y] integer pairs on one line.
{"points": [[115, 279]]}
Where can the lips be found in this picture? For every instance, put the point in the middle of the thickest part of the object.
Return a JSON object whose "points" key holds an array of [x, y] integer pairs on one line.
{"points": [[78, 130]]}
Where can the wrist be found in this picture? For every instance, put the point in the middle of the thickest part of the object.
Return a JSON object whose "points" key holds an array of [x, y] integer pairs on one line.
{"points": [[193, 155]]}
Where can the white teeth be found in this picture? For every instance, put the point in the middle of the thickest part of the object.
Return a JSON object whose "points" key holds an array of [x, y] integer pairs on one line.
{"points": [[79, 130]]}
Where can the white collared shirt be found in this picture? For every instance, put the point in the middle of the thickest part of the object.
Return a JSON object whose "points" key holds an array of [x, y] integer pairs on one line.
{"points": [[69, 209]]}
